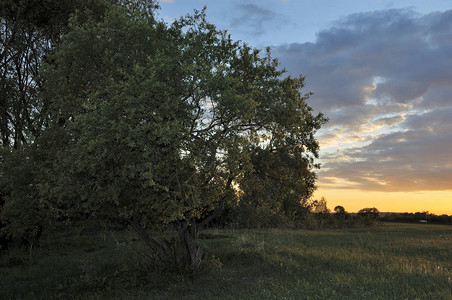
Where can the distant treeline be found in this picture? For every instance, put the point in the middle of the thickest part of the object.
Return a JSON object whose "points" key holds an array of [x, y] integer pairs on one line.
{"points": [[315, 215], [418, 217]]}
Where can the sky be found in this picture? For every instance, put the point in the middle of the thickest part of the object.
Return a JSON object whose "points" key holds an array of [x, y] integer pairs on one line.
{"points": [[381, 71]]}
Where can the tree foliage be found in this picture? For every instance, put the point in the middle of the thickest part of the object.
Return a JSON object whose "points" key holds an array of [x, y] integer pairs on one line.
{"points": [[162, 125]]}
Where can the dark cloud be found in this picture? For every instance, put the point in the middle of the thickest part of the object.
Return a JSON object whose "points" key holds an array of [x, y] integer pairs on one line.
{"points": [[440, 96], [255, 19], [409, 53], [384, 80]]}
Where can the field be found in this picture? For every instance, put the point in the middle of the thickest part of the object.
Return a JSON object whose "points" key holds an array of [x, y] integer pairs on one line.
{"points": [[391, 261]]}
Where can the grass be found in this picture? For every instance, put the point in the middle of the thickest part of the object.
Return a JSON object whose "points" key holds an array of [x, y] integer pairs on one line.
{"points": [[393, 261]]}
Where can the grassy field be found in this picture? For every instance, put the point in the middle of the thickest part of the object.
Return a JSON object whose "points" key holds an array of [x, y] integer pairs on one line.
{"points": [[392, 261]]}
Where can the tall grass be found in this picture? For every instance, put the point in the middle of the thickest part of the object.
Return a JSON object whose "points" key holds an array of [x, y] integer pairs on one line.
{"points": [[393, 261]]}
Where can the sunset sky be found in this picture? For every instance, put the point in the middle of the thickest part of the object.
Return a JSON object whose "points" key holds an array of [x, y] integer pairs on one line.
{"points": [[381, 71]]}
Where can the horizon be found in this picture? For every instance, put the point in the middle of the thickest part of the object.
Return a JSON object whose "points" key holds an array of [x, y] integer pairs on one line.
{"points": [[379, 71]]}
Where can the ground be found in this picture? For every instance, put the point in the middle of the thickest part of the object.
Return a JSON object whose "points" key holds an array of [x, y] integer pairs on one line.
{"points": [[389, 261]]}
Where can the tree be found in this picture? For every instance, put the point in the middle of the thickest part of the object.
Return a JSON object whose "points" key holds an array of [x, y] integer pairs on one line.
{"points": [[22, 50], [158, 124], [29, 33], [368, 215], [320, 206], [369, 212], [279, 183], [339, 210]]}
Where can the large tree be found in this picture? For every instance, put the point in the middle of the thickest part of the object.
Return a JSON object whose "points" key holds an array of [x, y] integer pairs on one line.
{"points": [[158, 124], [29, 33]]}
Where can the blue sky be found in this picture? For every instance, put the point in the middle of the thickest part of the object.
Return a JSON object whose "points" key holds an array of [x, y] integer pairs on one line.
{"points": [[381, 71]]}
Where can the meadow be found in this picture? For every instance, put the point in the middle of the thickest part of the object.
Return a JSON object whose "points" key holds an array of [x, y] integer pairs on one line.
{"points": [[390, 261]]}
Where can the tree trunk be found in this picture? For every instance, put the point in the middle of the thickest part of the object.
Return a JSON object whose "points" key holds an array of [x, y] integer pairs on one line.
{"points": [[190, 254], [182, 252]]}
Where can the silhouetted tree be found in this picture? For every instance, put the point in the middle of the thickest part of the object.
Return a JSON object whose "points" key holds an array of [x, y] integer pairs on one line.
{"points": [[369, 212], [368, 215], [320, 206], [339, 210]]}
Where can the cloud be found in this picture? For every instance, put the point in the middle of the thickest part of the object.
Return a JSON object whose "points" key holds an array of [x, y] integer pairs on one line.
{"points": [[440, 96], [415, 158], [383, 79], [409, 54], [255, 19]]}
